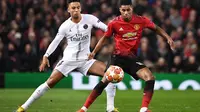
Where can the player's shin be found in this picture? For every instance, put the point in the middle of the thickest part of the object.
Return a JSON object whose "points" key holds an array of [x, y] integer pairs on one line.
{"points": [[110, 91], [36, 94], [148, 93], [94, 94]]}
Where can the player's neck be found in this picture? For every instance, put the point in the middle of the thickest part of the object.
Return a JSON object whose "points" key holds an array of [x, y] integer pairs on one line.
{"points": [[76, 20], [127, 19]]}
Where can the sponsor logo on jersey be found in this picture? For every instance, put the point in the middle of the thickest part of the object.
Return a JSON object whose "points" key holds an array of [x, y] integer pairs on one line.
{"points": [[136, 26], [129, 36], [79, 37], [85, 26]]}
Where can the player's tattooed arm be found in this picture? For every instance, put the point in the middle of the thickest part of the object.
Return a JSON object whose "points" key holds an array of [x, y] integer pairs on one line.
{"points": [[162, 33], [99, 45]]}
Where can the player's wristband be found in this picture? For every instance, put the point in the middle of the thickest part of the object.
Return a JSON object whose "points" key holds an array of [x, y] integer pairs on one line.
{"points": [[46, 55]]}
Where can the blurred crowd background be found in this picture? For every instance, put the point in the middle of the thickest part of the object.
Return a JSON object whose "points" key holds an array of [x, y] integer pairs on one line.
{"points": [[28, 26]]}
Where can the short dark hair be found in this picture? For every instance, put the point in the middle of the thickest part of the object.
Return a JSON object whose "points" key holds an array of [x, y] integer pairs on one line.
{"points": [[125, 2], [70, 1]]}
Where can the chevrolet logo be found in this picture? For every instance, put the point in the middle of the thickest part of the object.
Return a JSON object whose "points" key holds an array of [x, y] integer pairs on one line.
{"points": [[130, 34]]}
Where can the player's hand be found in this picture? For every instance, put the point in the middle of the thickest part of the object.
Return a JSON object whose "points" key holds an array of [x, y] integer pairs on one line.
{"points": [[171, 43], [45, 61], [91, 56]]}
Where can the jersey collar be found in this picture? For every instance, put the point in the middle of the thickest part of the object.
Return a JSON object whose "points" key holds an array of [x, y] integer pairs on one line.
{"points": [[78, 22], [126, 21]]}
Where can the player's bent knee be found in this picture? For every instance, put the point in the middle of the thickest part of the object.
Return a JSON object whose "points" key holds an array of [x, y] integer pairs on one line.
{"points": [[55, 77], [151, 77]]}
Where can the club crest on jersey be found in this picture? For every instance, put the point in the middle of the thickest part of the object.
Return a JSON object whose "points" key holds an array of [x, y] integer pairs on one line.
{"points": [[85, 26], [137, 26]]}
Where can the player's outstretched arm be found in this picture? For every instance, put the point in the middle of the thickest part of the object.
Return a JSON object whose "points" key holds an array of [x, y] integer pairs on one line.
{"points": [[99, 45], [54, 44], [49, 51], [162, 33]]}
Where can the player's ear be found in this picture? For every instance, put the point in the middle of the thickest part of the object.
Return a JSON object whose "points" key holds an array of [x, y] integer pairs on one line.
{"points": [[68, 10], [131, 8], [120, 9]]}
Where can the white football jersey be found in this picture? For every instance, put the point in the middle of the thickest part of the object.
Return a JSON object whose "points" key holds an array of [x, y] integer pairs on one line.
{"points": [[78, 37]]}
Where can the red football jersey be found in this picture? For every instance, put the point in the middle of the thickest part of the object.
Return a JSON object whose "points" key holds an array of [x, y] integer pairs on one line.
{"points": [[127, 35]]}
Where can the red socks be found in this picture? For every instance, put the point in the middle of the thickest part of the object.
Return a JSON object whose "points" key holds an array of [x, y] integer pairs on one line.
{"points": [[148, 93], [95, 93]]}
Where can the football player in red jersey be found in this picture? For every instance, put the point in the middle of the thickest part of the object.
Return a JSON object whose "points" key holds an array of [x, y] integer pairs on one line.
{"points": [[127, 31]]}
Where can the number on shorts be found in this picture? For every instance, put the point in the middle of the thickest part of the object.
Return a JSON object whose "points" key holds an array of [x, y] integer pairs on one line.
{"points": [[139, 63], [60, 63]]}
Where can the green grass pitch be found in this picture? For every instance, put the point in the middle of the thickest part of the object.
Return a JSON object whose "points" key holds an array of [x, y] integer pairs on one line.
{"points": [[67, 100]]}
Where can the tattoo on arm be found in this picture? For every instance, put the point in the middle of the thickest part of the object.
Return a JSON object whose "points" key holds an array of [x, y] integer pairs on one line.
{"points": [[161, 32], [99, 44]]}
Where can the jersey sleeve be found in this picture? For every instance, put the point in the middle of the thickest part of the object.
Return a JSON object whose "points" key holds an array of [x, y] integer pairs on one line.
{"points": [[109, 31], [97, 23], [54, 44], [148, 23]]}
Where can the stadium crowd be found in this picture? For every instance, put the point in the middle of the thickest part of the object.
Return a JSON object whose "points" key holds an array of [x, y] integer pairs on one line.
{"points": [[28, 26]]}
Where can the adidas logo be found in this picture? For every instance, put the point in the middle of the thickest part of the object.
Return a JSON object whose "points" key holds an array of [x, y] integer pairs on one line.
{"points": [[121, 29]]}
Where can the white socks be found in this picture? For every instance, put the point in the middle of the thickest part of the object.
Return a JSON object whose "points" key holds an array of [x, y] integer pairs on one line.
{"points": [[36, 94], [110, 91], [143, 109], [84, 108]]}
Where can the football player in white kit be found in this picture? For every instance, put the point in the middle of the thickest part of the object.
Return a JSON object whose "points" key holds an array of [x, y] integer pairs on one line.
{"points": [[77, 31]]}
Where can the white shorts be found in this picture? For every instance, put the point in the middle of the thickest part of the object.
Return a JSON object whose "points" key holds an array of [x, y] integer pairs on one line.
{"points": [[65, 66]]}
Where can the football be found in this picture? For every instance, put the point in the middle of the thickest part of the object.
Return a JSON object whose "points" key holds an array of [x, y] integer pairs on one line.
{"points": [[114, 74]]}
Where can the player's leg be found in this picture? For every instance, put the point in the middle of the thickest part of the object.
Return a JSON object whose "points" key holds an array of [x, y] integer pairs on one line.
{"points": [[147, 76], [62, 69], [98, 68], [110, 93], [94, 94], [55, 77], [110, 89]]}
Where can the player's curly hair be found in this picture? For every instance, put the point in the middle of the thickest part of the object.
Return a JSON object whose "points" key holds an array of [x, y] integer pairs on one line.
{"points": [[69, 1], [125, 2]]}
